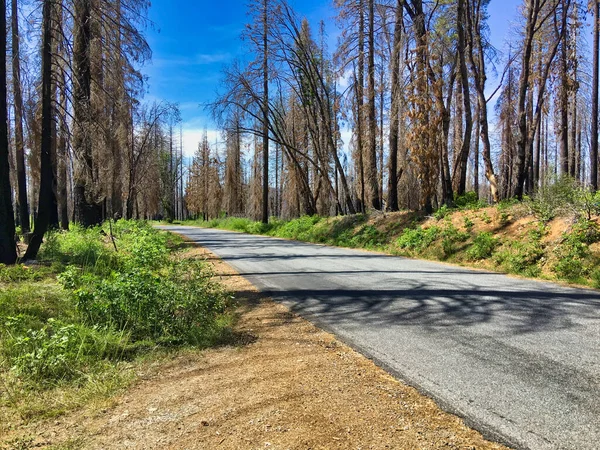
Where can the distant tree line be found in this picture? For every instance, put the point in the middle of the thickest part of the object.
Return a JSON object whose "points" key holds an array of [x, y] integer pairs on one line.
{"points": [[408, 84]]}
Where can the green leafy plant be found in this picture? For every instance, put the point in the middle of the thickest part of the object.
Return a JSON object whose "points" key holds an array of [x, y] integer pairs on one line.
{"points": [[595, 276], [468, 224], [573, 254], [60, 352], [450, 237], [520, 257], [482, 247], [442, 212], [368, 236], [418, 238], [469, 200]]}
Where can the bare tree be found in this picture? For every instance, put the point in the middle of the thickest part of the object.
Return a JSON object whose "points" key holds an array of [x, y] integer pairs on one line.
{"points": [[8, 252], [18, 107], [594, 133], [47, 202]]}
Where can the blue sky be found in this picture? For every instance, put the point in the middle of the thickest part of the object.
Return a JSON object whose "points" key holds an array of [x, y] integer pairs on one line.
{"points": [[192, 40]]}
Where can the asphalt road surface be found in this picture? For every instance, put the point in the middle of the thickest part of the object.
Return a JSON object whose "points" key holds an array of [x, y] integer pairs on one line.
{"points": [[518, 359]]}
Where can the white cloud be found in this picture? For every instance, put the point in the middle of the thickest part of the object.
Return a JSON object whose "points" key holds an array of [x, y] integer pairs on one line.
{"points": [[212, 58], [193, 136]]}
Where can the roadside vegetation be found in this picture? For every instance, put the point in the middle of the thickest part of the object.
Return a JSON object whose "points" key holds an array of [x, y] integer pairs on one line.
{"points": [[76, 325], [554, 235]]}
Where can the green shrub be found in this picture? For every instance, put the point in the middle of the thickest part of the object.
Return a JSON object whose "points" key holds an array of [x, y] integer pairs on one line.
{"points": [[175, 305], [236, 224], [595, 276], [586, 231], [368, 236], [299, 229], [506, 209], [260, 228], [590, 202], [416, 239], [81, 246], [450, 237], [558, 196], [469, 200], [486, 217], [442, 212], [482, 247], [468, 223], [520, 257], [573, 254]]}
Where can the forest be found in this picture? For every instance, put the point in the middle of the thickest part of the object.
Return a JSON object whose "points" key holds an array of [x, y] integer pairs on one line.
{"points": [[408, 85]]}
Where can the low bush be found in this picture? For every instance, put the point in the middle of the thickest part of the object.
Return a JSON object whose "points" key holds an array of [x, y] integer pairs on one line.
{"points": [[595, 276], [564, 196], [80, 246], [468, 224], [175, 305], [417, 239], [482, 247], [451, 236], [573, 254], [300, 228], [469, 200], [442, 212], [107, 306], [368, 236]]}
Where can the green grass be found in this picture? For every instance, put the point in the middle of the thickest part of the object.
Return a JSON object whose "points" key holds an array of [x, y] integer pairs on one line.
{"points": [[72, 327]]}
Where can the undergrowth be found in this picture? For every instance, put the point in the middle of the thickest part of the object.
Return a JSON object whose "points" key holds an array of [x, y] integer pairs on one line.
{"points": [[76, 320]]}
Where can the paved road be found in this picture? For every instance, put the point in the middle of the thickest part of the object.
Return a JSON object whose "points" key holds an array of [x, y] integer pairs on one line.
{"points": [[518, 359]]}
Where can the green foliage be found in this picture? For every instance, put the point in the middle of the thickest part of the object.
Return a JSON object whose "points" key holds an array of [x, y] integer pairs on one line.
{"points": [[486, 217], [368, 236], [585, 231], [505, 208], [469, 200], [482, 247], [442, 212], [590, 202], [520, 257], [19, 273], [451, 236], [573, 254], [58, 351], [564, 196], [108, 306], [419, 238], [506, 204], [299, 229], [81, 246], [174, 305], [595, 276], [468, 223]]}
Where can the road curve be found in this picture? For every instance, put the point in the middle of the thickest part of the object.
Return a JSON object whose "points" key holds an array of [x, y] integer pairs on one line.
{"points": [[518, 359]]}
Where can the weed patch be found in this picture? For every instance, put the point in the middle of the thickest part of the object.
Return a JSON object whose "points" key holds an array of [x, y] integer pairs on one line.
{"points": [[482, 247], [72, 321]]}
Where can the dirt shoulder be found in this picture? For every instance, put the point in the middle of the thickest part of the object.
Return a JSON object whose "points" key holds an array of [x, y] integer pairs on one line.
{"points": [[291, 386]]}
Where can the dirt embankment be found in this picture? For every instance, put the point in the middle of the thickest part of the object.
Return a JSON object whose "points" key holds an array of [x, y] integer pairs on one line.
{"points": [[288, 386]]}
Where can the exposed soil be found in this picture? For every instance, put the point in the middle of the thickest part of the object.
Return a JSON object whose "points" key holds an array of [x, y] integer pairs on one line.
{"points": [[289, 385]]}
